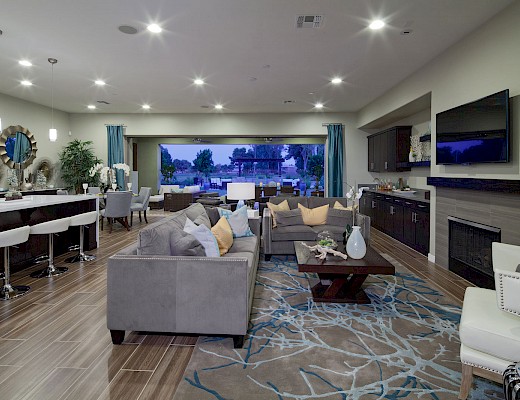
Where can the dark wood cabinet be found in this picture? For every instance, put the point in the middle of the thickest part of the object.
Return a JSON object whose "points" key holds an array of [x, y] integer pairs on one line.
{"points": [[388, 149], [404, 219]]}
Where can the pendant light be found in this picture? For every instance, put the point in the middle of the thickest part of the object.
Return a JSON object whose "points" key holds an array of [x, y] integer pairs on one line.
{"points": [[53, 133]]}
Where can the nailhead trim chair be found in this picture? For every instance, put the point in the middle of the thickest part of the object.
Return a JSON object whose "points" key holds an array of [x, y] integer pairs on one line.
{"points": [[490, 322]]}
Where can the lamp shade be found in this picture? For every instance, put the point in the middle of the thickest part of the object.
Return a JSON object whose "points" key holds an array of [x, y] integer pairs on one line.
{"points": [[241, 191]]}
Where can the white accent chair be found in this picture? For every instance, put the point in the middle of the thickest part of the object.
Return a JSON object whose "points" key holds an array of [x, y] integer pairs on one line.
{"points": [[490, 322]]}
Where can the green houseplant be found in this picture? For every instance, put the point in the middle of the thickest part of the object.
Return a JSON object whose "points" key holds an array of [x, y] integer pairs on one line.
{"points": [[77, 158]]}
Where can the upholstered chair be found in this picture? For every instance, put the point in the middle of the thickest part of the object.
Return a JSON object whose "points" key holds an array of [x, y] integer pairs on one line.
{"points": [[140, 203], [490, 321], [118, 208]]}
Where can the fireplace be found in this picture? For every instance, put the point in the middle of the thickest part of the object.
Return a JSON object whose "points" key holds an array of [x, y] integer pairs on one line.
{"points": [[470, 250]]}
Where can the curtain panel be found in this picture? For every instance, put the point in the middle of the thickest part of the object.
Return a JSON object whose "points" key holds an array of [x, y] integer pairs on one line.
{"points": [[335, 151], [116, 153]]}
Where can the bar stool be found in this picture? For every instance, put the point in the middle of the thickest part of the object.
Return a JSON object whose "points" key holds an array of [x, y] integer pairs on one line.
{"points": [[8, 238], [81, 220], [50, 228]]}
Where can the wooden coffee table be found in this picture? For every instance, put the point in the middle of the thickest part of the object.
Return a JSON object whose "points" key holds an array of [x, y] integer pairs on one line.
{"points": [[340, 280]]}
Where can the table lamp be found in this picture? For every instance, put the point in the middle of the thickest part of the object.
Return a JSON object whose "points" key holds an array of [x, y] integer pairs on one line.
{"points": [[241, 191]]}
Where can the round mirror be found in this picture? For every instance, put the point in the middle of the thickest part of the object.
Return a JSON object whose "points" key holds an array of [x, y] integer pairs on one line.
{"points": [[17, 147]]}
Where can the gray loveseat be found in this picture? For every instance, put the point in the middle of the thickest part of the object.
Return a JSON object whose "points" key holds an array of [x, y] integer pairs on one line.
{"points": [[181, 294], [279, 240]]}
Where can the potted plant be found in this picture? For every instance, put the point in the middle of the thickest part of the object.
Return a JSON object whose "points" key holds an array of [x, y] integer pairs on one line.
{"points": [[77, 158]]}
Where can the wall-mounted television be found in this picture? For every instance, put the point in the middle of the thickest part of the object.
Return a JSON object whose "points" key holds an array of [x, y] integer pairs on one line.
{"points": [[476, 132]]}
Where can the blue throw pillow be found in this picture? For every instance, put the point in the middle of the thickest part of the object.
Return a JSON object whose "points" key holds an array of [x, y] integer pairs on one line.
{"points": [[238, 221], [204, 235]]}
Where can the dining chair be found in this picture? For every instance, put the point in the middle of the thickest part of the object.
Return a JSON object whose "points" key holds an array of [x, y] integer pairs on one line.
{"points": [[117, 206], [140, 203]]}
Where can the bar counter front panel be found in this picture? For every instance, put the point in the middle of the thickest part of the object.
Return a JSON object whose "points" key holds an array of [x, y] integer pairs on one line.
{"points": [[37, 209]]}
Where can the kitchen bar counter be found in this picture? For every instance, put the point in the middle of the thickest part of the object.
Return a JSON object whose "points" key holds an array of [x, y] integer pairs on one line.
{"points": [[35, 209], [419, 195]]}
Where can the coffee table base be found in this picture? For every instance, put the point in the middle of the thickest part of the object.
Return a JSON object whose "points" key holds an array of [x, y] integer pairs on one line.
{"points": [[343, 289]]}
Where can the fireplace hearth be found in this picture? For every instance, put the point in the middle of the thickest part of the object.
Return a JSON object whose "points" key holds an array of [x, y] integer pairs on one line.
{"points": [[470, 250]]}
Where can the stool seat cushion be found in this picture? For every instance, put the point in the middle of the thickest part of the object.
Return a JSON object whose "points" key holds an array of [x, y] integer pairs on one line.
{"points": [[14, 236], [55, 226], [483, 327], [84, 219]]}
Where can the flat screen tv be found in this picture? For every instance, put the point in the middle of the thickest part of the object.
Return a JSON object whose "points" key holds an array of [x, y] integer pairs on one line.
{"points": [[476, 132]]}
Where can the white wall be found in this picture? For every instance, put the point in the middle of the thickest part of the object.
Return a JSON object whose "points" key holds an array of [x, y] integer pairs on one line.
{"points": [[485, 62], [92, 127], [37, 119]]}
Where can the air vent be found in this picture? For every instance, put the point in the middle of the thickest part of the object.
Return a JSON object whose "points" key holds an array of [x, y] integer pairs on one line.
{"points": [[309, 21], [103, 102]]}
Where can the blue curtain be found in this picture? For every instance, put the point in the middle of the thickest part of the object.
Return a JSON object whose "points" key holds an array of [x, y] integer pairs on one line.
{"points": [[335, 160], [21, 148], [116, 153]]}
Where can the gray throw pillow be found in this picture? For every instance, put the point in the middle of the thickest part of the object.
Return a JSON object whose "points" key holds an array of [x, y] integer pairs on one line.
{"points": [[338, 217], [289, 218], [203, 219], [154, 240], [213, 215], [184, 244]]}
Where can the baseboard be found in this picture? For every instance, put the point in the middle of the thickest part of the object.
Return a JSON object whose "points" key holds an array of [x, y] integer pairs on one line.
{"points": [[431, 257]]}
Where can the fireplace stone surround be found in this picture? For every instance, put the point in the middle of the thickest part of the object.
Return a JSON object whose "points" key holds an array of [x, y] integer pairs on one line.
{"points": [[489, 202]]}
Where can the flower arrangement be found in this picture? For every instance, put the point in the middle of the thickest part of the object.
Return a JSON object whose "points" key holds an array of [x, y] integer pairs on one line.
{"points": [[107, 175], [13, 195], [354, 196], [12, 178], [122, 166]]}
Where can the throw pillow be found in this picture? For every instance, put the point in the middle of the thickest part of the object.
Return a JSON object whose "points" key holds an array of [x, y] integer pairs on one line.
{"points": [[339, 217], [339, 206], [314, 216], [283, 206], [177, 190], [213, 215], [203, 219], [223, 234], [184, 244], [238, 221], [203, 234], [289, 218]]}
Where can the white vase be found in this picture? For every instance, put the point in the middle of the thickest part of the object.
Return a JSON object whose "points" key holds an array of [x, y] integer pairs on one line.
{"points": [[356, 247]]}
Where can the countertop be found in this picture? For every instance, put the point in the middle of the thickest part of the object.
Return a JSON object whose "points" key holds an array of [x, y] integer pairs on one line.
{"points": [[34, 201], [419, 195]]}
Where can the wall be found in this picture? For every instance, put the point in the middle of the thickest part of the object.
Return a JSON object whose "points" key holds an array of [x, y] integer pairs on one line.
{"points": [[37, 119], [144, 128], [485, 62]]}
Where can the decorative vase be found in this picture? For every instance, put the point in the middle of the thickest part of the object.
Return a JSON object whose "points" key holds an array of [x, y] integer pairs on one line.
{"points": [[411, 157], [356, 247]]}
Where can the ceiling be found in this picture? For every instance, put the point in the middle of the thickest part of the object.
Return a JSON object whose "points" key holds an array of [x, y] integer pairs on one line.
{"points": [[249, 52]]}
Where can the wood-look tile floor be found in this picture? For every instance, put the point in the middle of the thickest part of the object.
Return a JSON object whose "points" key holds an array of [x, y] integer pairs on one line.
{"points": [[54, 343]]}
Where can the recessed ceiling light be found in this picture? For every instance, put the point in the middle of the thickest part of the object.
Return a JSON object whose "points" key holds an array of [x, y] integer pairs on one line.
{"points": [[336, 81], [198, 81], [146, 107], [219, 106], [154, 28], [100, 82], [318, 106], [25, 63], [26, 83], [377, 24], [91, 107]]}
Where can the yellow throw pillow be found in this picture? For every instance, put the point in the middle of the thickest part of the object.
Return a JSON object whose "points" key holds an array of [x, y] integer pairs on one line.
{"points": [[314, 216], [283, 206], [223, 234], [339, 206]]}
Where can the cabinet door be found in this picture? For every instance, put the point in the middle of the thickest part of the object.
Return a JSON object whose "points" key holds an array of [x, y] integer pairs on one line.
{"points": [[398, 219], [374, 153], [422, 229], [389, 140], [387, 214], [402, 144], [365, 204], [409, 224]]}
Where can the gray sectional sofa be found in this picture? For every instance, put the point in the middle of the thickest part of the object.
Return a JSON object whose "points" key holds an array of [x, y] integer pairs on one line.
{"points": [[279, 240], [181, 294]]}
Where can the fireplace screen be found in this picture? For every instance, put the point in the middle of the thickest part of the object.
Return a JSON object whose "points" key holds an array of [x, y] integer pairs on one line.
{"points": [[470, 250]]}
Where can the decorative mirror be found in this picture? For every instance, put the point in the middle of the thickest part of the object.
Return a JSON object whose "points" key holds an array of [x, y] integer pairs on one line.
{"points": [[17, 147], [44, 165]]}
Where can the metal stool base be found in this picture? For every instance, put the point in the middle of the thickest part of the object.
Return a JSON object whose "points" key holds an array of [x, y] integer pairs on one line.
{"points": [[80, 258], [15, 291], [49, 272]]}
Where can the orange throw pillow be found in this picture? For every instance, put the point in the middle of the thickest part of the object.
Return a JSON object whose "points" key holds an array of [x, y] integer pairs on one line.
{"points": [[223, 234]]}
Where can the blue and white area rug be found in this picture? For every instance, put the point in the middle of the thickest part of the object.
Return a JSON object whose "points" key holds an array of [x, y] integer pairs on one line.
{"points": [[405, 345]]}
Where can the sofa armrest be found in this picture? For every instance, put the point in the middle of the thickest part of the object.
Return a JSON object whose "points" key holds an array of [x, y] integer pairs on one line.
{"points": [[178, 294], [267, 226], [254, 224]]}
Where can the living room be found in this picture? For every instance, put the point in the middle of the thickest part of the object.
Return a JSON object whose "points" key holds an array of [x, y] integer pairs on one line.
{"points": [[481, 61]]}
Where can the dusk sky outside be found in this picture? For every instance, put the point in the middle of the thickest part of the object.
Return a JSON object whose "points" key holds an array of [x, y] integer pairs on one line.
{"points": [[221, 152]]}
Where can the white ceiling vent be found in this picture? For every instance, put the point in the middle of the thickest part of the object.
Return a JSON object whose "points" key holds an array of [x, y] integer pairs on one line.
{"points": [[309, 21]]}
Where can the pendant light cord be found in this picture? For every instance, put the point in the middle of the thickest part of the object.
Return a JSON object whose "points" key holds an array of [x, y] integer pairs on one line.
{"points": [[52, 61]]}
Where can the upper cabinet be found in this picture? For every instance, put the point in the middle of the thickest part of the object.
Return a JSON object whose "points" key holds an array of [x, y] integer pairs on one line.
{"points": [[389, 148]]}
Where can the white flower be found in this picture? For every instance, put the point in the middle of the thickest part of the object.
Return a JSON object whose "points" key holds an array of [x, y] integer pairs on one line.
{"points": [[95, 169], [122, 166]]}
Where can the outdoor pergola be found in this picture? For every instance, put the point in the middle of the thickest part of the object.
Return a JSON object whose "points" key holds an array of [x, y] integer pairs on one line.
{"points": [[241, 160]]}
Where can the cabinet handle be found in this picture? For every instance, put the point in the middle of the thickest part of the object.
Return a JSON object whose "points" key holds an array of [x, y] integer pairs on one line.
{"points": [[420, 206], [415, 217], [412, 217], [372, 165], [407, 203], [373, 204], [386, 164], [392, 210]]}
